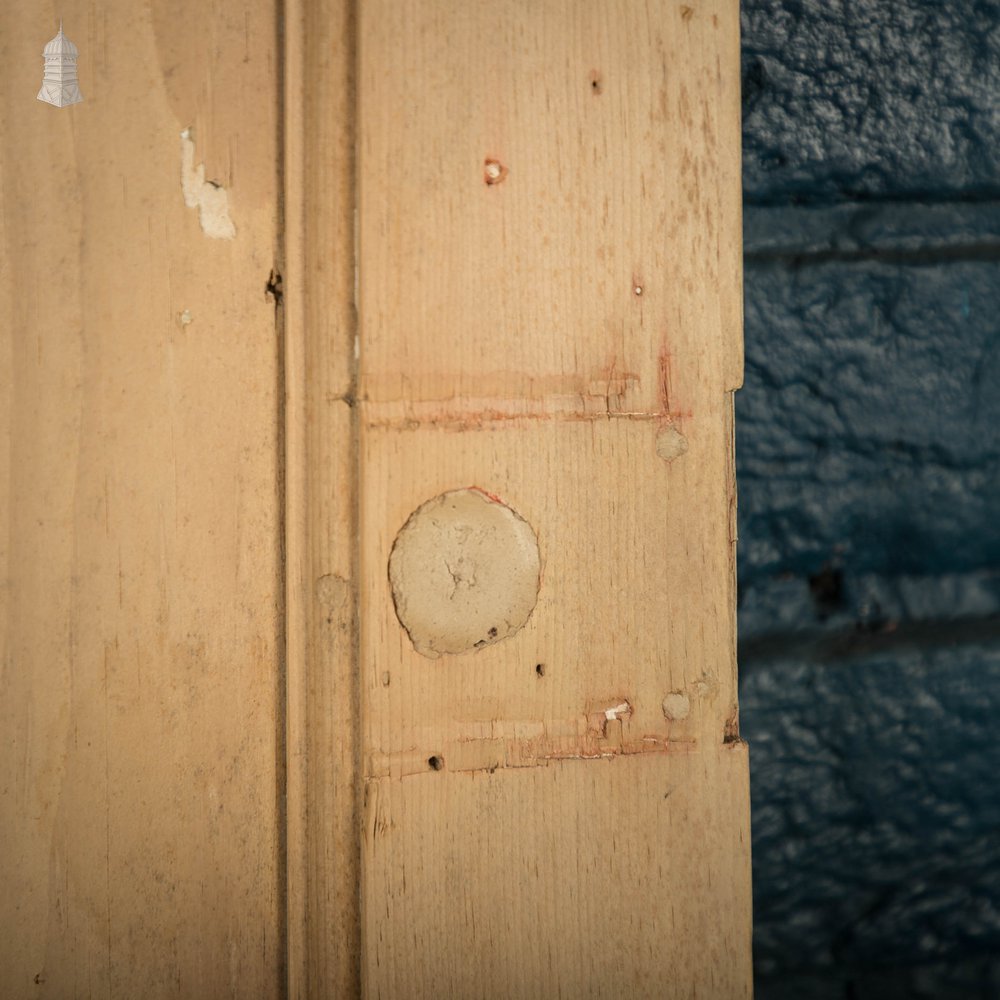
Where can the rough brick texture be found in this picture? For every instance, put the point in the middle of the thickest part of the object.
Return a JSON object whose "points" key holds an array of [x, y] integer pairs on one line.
{"points": [[870, 98], [868, 441], [875, 811], [868, 459]]}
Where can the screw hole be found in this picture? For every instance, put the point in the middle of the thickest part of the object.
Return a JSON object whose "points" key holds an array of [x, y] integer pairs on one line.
{"points": [[435, 763], [540, 669]]}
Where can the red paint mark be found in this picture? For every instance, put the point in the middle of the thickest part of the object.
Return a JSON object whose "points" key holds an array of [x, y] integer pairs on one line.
{"points": [[488, 495], [457, 422]]}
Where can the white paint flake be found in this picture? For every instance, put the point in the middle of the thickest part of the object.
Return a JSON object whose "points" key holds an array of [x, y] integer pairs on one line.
{"points": [[622, 711], [209, 198]]}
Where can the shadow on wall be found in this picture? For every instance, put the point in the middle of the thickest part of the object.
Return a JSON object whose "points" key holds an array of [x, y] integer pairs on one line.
{"points": [[869, 472]]}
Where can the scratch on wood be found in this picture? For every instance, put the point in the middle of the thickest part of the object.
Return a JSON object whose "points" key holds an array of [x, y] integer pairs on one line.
{"points": [[479, 418], [489, 745], [664, 364]]}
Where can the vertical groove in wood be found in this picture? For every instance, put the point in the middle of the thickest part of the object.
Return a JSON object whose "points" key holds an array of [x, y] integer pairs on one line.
{"points": [[296, 511], [321, 514]]}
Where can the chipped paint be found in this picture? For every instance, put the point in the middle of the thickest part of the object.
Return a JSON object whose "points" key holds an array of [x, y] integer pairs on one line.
{"points": [[622, 711], [600, 713], [210, 198]]}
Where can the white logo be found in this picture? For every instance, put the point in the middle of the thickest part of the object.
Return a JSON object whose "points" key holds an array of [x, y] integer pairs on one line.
{"points": [[59, 86]]}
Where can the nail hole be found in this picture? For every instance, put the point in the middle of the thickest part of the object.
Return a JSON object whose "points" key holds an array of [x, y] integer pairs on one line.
{"points": [[494, 172], [540, 669], [435, 763], [596, 85]]}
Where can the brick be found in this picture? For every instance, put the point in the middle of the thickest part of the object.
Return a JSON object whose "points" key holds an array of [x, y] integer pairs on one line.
{"points": [[875, 809], [863, 98], [866, 440]]}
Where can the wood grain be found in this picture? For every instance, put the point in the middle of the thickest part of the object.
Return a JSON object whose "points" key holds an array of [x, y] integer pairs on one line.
{"points": [[229, 773], [549, 309], [140, 624], [634, 552], [492, 291], [609, 878]]}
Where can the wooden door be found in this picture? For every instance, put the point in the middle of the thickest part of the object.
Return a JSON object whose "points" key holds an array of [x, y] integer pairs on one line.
{"points": [[141, 679], [537, 299], [369, 620]]}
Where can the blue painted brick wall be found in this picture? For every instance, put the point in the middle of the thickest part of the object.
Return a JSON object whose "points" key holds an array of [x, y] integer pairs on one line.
{"points": [[868, 459], [870, 99]]}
